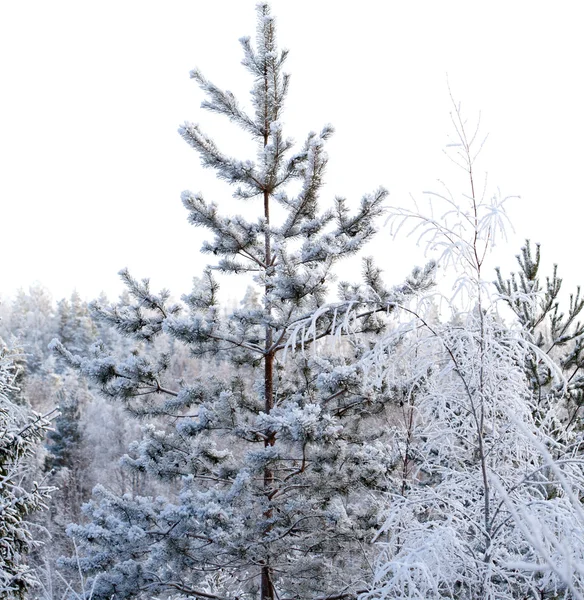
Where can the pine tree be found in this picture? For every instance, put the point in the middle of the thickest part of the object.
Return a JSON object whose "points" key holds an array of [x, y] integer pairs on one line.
{"points": [[21, 433], [75, 327], [64, 439], [557, 334], [277, 466], [32, 323]]}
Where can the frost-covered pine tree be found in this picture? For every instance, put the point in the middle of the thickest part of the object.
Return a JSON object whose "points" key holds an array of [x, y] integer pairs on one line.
{"points": [[67, 453], [75, 328], [557, 334], [274, 460], [64, 438], [32, 322], [487, 501], [21, 433]]}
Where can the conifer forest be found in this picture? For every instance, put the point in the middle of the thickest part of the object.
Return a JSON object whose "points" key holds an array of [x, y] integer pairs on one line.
{"points": [[325, 437]]}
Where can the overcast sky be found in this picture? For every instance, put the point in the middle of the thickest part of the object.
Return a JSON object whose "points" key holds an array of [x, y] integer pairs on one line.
{"points": [[92, 94]]}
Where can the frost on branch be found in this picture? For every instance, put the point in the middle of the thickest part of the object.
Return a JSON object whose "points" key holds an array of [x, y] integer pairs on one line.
{"points": [[20, 434], [476, 511], [487, 500]]}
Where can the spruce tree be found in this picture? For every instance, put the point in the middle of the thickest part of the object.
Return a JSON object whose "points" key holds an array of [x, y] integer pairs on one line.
{"points": [[64, 439], [21, 433], [275, 468]]}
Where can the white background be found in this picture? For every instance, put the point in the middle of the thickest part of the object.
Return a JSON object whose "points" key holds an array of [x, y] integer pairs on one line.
{"points": [[92, 93]]}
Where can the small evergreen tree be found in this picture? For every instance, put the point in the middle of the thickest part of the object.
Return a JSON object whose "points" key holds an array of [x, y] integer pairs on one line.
{"points": [[555, 333], [32, 323], [21, 433], [64, 439], [75, 328], [277, 468]]}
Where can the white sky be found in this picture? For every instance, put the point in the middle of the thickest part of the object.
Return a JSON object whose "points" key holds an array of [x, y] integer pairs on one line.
{"points": [[92, 94]]}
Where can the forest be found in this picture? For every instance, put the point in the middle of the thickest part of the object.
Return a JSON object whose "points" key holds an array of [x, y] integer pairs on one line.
{"points": [[323, 438]]}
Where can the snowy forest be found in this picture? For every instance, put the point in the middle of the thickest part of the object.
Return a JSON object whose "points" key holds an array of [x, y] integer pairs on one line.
{"points": [[322, 438]]}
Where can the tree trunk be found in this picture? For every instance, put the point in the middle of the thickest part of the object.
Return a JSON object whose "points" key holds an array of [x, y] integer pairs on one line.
{"points": [[267, 589]]}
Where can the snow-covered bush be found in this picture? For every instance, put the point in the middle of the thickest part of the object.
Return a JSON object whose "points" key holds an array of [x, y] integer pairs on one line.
{"points": [[487, 504]]}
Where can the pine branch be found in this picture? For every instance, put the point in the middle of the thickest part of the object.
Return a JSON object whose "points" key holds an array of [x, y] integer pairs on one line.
{"points": [[225, 103]]}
